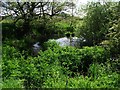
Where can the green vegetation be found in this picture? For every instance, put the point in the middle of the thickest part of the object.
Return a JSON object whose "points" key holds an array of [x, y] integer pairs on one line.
{"points": [[12, 83], [58, 67], [96, 64]]}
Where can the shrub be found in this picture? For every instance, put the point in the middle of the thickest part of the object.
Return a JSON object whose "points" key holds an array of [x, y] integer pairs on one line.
{"points": [[12, 83], [10, 62], [74, 59], [78, 60], [8, 27], [104, 81], [97, 70], [19, 45], [0, 70], [38, 70], [15, 66], [100, 77], [115, 64], [50, 66], [50, 44]]}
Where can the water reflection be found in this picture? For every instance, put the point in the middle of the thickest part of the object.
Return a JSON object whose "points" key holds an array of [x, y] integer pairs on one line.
{"points": [[73, 41], [64, 41]]}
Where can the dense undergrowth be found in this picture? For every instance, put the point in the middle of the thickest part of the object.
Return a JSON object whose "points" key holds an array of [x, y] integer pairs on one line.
{"points": [[95, 65], [58, 67]]}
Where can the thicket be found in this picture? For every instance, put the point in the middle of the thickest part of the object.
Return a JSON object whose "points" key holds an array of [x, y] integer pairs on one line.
{"points": [[59, 67], [69, 67], [102, 25]]}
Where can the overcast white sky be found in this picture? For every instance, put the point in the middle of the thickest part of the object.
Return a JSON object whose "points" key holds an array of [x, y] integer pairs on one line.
{"points": [[85, 1], [82, 1], [78, 2]]}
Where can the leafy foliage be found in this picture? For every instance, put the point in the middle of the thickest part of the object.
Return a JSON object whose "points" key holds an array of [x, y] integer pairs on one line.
{"points": [[94, 27], [55, 66], [8, 27], [105, 81], [114, 30], [10, 64], [12, 83], [55, 63]]}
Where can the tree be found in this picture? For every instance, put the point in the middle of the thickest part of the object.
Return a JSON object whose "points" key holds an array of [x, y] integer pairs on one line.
{"points": [[96, 22], [114, 29], [28, 11]]}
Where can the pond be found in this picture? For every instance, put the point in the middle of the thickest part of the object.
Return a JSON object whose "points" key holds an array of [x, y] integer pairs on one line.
{"points": [[64, 41]]}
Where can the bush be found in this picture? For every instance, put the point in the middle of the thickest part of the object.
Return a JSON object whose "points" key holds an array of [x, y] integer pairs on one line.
{"points": [[51, 44], [10, 64], [115, 64], [78, 60], [19, 45], [50, 66], [105, 81], [11, 69], [0, 73], [15, 66], [57, 62], [100, 76], [8, 29], [74, 59], [12, 83]]}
